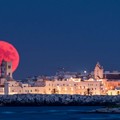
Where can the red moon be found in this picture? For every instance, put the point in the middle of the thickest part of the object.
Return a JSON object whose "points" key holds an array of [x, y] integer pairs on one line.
{"points": [[9, 53]]}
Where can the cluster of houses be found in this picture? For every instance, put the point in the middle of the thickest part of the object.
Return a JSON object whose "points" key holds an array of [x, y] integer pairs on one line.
{"points": [[99, 82]]}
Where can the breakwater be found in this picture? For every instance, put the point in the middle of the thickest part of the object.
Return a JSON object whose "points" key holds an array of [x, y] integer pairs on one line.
{"points": [[54, 99]]}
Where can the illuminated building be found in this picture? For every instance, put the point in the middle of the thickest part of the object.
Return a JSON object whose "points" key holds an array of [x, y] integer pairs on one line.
{"points": [[98, 85]]}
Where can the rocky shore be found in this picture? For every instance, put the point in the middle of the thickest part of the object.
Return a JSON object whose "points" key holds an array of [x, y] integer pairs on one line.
{"points": [[56, 100], [106, 110]]}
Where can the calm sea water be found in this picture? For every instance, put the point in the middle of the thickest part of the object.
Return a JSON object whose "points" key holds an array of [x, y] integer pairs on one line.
{"points": [[52, 113]]}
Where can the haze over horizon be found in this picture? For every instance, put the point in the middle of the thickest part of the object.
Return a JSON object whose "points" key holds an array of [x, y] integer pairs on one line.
{"points": [[72, 34]]}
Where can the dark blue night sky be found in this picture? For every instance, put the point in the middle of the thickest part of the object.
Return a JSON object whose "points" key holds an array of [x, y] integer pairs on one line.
{"points": [[74, 34]]}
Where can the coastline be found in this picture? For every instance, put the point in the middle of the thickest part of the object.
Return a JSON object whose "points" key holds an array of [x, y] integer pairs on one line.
{"points": [[106, 110]]}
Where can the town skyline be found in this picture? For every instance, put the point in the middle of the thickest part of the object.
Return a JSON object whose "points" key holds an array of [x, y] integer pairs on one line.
{"points": [[97, 82]]}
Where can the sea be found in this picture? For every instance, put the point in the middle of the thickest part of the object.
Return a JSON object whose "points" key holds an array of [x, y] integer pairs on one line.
{"points": [[54, 113]]}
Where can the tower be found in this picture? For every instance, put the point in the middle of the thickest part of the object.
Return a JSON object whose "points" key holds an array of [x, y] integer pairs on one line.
{"points": [[6, 69], [98, 71]]}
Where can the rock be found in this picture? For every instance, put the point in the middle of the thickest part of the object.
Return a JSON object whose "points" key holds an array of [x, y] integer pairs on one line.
{"points": [[31, 99]]}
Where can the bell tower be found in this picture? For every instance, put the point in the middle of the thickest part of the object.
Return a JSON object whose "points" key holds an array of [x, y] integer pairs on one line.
{"points": [[98, 72], [6, 69]]}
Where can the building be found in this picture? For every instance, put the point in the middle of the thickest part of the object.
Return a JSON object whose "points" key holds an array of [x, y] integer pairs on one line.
{"points": [[6, 69], [113, 92], [98, 72], [67, 85], [97, 85]]}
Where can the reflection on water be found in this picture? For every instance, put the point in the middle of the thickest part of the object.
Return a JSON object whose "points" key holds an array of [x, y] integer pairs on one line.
{"points": [[52, 113]]}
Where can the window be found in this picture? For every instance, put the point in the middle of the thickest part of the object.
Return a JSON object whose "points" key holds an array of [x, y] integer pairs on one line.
{"points": [[9, 67], [35, 90], [9, 74]]}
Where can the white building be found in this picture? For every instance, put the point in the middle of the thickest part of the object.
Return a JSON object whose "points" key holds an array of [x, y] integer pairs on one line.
{"points": [[64, 86]]}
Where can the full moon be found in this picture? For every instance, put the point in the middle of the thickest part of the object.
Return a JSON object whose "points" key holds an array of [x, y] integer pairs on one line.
{"points": [[9, 53]]}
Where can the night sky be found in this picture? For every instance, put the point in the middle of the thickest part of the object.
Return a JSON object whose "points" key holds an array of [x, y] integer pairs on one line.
{"points": [[73, 34]]}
